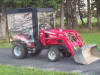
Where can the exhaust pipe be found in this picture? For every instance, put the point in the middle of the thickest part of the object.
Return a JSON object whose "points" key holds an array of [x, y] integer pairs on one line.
{"points": [[87, 54]]}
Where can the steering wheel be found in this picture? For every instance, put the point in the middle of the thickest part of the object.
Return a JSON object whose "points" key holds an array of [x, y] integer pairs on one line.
{"points": [[45, 27]]}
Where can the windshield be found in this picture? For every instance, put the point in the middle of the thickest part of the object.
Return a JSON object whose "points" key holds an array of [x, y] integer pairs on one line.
{"points": [[18, 22], [45, 19], [28, 31]]}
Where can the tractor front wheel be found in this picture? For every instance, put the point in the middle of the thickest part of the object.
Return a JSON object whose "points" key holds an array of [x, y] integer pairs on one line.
{"points": [[19, 51], [53, 54]]}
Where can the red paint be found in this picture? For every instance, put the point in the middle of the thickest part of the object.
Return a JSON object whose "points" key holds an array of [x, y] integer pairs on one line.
{"points": [[58, 34], [29, 43], [51, 37]]}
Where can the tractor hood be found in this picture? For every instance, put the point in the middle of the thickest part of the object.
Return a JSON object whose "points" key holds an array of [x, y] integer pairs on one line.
{"points": [[59, 31], [55, 31]]}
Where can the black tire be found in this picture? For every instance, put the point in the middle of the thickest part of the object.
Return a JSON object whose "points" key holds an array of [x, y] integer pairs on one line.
{"points": [[23, 51], [65, 52], [55, 51]]}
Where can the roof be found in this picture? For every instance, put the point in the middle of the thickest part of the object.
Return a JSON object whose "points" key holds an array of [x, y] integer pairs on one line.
{"points": [[29, 9]]}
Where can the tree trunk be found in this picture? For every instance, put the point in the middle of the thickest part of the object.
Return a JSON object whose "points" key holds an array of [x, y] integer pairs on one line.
{"points": [[98, 12], [74, 22], [3, 22], [98, 18], [68, 14], [80, 13], [71, 13], [89, 15], [62, 17], [81, 17]]}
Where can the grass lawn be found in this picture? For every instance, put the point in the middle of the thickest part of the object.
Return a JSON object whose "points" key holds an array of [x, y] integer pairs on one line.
{"points": [[10, 70], [91, 38], [93, 20], [4, 44]]}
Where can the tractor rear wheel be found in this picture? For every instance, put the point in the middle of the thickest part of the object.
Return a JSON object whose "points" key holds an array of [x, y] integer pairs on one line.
{"points": [[18, 51], [53, 54]]}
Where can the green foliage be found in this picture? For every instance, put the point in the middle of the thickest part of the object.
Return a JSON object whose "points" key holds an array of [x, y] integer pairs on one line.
{"points": [[10, 70], [29, 3], [6, 1], [93, 20], [54, 3]]}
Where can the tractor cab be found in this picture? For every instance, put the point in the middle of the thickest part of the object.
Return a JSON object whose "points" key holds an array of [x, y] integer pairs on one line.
{"points": [[24, 24]]}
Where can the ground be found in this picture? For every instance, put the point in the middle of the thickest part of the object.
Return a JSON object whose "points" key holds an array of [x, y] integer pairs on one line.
{"points": [[41, 62]]}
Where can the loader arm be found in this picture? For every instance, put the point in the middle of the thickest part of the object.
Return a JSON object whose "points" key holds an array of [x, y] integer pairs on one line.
{"points": [[70, 44], [52, 37]]}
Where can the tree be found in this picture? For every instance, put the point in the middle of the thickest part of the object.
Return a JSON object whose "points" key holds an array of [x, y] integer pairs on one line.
{"points": [[62, 16], [80, 7], [89, 15], [67, 12], [3, 19], [97, 5], [70, 12]]}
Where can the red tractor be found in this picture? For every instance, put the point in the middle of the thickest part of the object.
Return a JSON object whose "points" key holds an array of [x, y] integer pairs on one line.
{"points": [[31, 30]]}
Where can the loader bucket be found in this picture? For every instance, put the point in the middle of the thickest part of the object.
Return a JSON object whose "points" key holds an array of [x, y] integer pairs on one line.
{"points": [[87, 54]]}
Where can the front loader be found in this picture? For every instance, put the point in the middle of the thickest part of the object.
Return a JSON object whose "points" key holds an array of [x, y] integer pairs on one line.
{"points": [[32, 30]]}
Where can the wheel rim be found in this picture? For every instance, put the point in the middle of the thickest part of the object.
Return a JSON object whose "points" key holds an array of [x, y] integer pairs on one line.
{"points": [[17, 51], [52, 55]]}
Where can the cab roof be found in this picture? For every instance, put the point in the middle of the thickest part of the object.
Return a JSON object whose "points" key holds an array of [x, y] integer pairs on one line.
{"points": [[29, 9]]}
